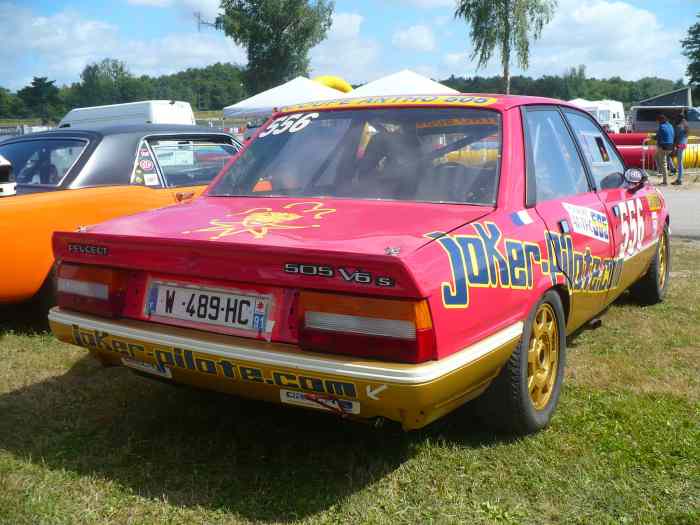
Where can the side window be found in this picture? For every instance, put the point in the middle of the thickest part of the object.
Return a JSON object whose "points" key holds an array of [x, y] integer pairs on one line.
{"points": [[605, 165], [44, 162], [190, 161], [553, 161]]}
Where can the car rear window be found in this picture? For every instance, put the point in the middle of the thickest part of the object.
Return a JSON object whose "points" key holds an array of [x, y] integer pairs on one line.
{"points": [[188, 162], [422, 154], [42, 161]]}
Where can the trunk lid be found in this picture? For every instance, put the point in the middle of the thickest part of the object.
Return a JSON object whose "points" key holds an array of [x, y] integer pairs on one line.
{"points": [[347, 226]]}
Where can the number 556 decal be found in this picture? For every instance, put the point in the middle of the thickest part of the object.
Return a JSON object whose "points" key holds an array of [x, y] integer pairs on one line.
{"points": [[289, 123], [632, 225]]}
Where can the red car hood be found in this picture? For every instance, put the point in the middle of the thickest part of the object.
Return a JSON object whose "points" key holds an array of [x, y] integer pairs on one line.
{"points": [[331, 225]]}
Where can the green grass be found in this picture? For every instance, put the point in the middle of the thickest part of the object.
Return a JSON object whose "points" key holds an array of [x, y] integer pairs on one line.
{"points": [[84, 444]]}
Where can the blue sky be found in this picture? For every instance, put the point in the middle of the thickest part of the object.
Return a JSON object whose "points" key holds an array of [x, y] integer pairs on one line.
{"points": [[369, 38]]}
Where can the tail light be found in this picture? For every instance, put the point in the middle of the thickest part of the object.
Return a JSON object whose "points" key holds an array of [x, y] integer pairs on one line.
{"points": [[386, 329], [90, 289]]}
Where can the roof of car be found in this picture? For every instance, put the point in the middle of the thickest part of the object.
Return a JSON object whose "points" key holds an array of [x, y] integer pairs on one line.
{"points": [[122, 129], [485, 100]]}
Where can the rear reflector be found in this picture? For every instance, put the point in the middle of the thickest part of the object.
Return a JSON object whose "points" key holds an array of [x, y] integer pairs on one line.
{"points": [[90, 289], [353, 324], [84, 288], [388, 329]]}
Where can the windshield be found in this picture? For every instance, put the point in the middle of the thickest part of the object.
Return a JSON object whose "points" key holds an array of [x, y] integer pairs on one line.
{"points": [[431, 155]]}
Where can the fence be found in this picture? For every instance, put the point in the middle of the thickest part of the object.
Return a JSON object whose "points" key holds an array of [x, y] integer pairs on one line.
{"points": [[7, 132]]}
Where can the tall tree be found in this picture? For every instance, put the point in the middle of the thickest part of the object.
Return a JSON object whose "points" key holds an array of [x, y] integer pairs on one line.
{"points": [[507, 25], [691, 49], [277, 34], [43, 96]]}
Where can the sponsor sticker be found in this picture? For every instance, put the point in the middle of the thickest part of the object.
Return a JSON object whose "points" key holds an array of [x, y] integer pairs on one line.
{"points": [[521, 218], [148, 368], [588, 222], [151, 179], [146, 164], [294, 397], [654, 202]]}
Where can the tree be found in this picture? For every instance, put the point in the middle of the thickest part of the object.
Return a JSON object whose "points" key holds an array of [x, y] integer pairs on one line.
{"points": [[691, 49], [42, 97], [277, 34], [507, 25], [106, 82]]}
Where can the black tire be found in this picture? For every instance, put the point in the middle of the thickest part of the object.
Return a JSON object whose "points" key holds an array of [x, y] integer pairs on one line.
{"points": [[651, 287], [507, 404]]}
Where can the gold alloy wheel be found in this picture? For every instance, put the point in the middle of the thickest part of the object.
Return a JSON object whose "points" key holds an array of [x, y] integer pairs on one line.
{"points": [[663, 256], [543, 356]]}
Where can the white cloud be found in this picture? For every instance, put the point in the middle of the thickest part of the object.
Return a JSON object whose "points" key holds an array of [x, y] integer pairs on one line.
{"points": [[611, 38], [61, 45], [345, 52], [345, 26], [415, 38]]}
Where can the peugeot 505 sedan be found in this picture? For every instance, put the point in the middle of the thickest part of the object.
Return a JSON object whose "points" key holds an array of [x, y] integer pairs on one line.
{"points": [[377, 258]]}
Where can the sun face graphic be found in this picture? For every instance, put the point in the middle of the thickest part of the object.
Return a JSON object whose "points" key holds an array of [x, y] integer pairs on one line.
{"points": [[259, 221]]}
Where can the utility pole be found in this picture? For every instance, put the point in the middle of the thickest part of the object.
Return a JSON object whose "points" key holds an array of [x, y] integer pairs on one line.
{"points": [[201, 22]]}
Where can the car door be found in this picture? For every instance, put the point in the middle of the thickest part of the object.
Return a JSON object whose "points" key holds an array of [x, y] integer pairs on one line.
{"points": [[632, 210], [558, 187], [185, 165]]}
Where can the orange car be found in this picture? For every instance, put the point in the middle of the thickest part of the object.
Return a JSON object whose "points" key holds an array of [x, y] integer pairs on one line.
{"points": [[71, 178]]}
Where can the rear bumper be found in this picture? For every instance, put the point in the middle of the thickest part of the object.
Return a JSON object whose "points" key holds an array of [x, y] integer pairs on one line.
{"points": [[413, 395]]}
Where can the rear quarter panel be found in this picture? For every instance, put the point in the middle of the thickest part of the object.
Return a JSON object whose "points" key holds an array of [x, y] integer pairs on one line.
{"points": [[28, 221], [483, 277]]}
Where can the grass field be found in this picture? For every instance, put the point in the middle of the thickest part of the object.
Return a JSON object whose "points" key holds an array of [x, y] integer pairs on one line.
{"points": [[83, 444]]}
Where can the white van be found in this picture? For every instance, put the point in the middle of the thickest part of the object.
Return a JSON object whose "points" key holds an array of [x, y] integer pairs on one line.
{"points": [[145, 112], [609, 113]]}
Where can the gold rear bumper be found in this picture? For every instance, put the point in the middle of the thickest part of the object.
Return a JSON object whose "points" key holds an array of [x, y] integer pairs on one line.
{"points": [[413, 395]]}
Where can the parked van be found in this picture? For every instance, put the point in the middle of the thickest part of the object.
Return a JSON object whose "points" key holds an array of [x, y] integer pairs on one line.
{"points": [[610, 114], [145, 112], [643, 118]]}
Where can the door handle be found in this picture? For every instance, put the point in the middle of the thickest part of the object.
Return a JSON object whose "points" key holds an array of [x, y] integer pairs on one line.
{"points": [[183, 195]]}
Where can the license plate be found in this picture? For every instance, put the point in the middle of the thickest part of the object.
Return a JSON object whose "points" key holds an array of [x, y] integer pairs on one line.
{"points": [[208, 306]]}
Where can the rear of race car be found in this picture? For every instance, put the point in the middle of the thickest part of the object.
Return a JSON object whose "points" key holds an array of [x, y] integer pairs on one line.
{"points": [[357, 355], [299, 278]]}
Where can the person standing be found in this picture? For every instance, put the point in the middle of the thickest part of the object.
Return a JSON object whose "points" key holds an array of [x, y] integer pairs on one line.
{"points": [[664, 146], [680, 142]]}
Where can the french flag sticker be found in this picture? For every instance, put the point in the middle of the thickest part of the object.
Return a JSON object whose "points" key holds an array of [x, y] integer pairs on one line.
{"points": [[521, 218]]}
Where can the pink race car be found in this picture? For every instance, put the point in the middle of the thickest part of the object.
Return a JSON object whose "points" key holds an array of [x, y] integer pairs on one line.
{"points": [[378, 258]]}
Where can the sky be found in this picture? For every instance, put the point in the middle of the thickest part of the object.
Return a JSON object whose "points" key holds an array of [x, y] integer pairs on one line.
{"points": [[369, 38]]}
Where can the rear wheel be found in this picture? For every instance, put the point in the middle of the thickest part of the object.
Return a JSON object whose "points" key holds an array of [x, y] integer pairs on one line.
{"points": [[651, 288], [524, 395]]}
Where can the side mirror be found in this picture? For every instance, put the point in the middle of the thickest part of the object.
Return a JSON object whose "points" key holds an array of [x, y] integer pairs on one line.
{"points": [[635, 176]]}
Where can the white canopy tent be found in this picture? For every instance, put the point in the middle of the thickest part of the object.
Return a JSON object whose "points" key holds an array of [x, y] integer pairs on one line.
{"points": [[296, 91], [404, 82]]}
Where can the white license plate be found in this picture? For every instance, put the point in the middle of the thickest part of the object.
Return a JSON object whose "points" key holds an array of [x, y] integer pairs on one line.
{"points": [[207, 306]]}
